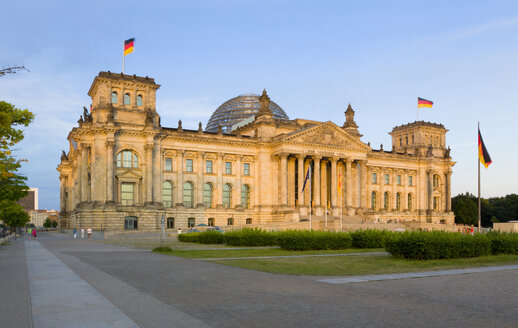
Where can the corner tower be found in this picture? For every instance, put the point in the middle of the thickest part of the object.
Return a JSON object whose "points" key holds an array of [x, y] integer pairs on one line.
{"points": [[420, 138]]}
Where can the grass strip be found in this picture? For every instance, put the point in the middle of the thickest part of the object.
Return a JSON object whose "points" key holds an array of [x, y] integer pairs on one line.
{"points": [[363, 265]]}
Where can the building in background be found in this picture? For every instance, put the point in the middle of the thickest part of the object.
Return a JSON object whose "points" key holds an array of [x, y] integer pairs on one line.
{"points": [[38, 216], [30, 202], [123, 170]]}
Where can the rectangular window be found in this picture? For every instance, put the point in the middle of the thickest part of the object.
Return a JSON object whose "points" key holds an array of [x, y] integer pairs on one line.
{"points": [[387, 179], [170, 223], [399, 180], [191, 222], [211, 222], [208, 166], [228, 168], [374, 178], [168, 164], [248, 221], [246, 169], [436, 203], [126, 158], [127, 193], [410, 181], [188, 165]]}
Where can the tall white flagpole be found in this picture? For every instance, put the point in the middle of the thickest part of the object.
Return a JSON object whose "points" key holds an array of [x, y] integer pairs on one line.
{"points": [[478, 160], [341, 203], [123, 55], [310, 202]]}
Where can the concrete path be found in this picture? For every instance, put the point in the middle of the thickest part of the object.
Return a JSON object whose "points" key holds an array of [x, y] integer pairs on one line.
{"points": [[60, 298], [288, 256], [151, 290]]}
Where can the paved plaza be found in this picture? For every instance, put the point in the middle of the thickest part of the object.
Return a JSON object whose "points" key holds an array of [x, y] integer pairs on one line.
{"points": [[60, 282]]}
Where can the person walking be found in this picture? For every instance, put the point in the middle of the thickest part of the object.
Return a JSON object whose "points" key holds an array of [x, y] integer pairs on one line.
{"points": [[89, 232], [29, 233], [34, 234], [82, 233], [75, 233]]}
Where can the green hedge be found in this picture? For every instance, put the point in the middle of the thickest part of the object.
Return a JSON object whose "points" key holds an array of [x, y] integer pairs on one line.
{"points": [[251, 237], [189, 237], [210, 237], [369, 238], [437, 245], [301, 240], [503, 243]]}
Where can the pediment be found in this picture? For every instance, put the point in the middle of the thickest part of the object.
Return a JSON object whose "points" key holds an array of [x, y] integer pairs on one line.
{"points": [[326, 134], [129, 174]]}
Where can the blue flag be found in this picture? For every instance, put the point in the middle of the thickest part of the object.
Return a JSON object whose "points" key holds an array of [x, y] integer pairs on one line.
{"points": [[306, 180]]}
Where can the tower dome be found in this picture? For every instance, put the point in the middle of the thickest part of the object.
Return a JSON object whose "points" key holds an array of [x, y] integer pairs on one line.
{"points": [[239, 108]]}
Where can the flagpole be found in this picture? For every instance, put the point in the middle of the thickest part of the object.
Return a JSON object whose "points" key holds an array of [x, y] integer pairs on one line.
{"points": [[123, 61], [310, 202], [478, 160], [341, 204]]}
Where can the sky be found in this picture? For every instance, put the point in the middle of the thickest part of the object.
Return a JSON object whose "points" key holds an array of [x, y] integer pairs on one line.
{"points": [[313, 58]]}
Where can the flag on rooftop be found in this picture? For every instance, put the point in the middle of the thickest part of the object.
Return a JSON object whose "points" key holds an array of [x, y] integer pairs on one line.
{"points": [[421, 102]]}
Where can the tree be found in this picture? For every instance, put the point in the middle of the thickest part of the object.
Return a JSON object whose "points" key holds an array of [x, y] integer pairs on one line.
{"points": [[13, 214], [54, 224], [465, 209], [12, 185], [47, 224]]}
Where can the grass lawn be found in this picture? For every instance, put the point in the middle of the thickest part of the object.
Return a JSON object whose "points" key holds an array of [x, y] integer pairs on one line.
{"points": [[363, 265], [337, 265]]}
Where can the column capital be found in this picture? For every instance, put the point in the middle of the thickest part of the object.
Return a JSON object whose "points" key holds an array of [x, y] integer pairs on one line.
{"points": [[110, 143], [316, 157], [149, 147], [300, 156]]}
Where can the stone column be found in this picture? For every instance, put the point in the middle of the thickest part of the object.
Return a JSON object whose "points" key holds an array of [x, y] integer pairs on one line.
{"points": [[179, 177], [317, 185], [404, 200], [199, 177], [348, 183], [157, 173], [239, 175], [85, 186], [109, 170], [149, 173], [302, 177], [363, 184], [429, 189], [219, 185], [448, 191], [324, 200], [284, 179], [334, 185], [62, 194]]}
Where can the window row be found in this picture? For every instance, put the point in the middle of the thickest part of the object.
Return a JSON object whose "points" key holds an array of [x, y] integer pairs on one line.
{"points": [[208, 195], [127, 99], [191, 222], [209, 166], [386, 201], [399, 181]]}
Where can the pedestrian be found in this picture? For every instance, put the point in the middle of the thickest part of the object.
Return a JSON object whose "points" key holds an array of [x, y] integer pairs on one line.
{"points": [[89, 232], [29, 233], [34, 234], [82, 233], [75, 233]]}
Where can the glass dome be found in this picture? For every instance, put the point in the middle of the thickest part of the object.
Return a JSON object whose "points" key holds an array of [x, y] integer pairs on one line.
{"points": [[237, 109]]}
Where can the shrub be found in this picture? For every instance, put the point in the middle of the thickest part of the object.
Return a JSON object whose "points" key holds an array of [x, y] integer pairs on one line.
{"points": [[251, 237], [503, 243], [369, 238], [437, 245], [314, 240], [189, 237], [210, 237], [162, 249]]}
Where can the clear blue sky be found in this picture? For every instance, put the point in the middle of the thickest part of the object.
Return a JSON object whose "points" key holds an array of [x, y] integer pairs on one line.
{"points": [[313, 57]]}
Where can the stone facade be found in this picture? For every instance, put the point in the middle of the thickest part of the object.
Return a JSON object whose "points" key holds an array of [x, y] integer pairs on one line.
{"points": [[124, 170]]}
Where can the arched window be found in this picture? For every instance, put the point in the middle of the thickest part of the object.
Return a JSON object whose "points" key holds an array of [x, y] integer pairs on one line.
{"points": [[127, 159], [126, 99], [436, 181], [373, 200], [207, 195], [139, 100], [245, 196], [412, 138], [114, 97], [170, 223], [230, 221], [386, 200], [398, 201], [227, 196], [409, 202], [167, 194], [188, 194]]}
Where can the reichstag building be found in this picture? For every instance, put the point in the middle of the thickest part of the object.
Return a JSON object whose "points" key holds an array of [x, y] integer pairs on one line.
{"points": [[248, 167]]}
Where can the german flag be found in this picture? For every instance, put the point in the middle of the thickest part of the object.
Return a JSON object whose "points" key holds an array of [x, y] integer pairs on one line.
{"points": [[482, 152], [128, 46], [421, 102]]}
